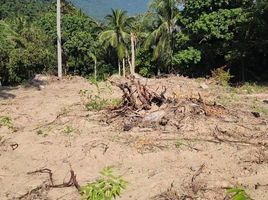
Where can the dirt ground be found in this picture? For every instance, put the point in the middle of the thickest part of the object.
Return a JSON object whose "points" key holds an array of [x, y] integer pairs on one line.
{"points": [[51, 128]]}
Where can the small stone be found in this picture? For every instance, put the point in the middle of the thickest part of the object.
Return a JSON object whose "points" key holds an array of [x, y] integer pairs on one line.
{"points": [[265, 101], [127, 127], [204, 86], [256, 114]]}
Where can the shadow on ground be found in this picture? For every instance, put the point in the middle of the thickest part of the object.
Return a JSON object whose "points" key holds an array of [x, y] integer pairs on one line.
{"points": [[5, 92]]}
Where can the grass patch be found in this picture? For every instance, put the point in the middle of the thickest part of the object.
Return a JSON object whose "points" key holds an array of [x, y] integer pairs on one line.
{"points": [[107, 187], [260, 109], [250, 88], [96, 103], [228, 99]]}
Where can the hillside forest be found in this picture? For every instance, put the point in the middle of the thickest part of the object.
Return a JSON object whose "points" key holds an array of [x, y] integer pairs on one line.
{"points": [[193, 38]]}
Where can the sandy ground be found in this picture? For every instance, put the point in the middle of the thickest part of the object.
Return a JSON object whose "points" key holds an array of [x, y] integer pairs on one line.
{"points": [[52, 129]]}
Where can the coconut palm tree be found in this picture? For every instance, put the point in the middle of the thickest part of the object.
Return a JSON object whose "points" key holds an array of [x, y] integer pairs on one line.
{"points": [[117, 34], [166, 15]]}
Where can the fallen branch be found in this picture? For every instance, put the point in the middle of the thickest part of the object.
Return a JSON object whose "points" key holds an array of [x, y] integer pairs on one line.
{"points": [[241, 142], [72, 182]]}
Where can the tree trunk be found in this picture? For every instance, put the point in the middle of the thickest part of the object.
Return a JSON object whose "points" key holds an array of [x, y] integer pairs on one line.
{"points": [[124, 68], [95, 69], [132, 67], [119, 68], [59, 38]]}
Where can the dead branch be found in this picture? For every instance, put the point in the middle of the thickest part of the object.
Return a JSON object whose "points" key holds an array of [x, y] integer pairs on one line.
{"points": [[72, 182], [241, 142]]}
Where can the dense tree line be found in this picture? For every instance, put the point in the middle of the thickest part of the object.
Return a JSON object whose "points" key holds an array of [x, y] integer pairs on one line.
{"points": [[189, 37]]}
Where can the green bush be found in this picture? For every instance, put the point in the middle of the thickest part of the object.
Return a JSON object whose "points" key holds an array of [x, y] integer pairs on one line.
{"points": [[6, 121], [107, 187], [237, 194], [221, 76], [96, 103]]}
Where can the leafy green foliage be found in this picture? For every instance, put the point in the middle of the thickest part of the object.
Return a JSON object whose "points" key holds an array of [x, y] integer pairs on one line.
{"points": [[6, 121], [187, 57], [96, 103], [117, 35], [166, 16], [237, 194], [189, 37], [107, 187]]}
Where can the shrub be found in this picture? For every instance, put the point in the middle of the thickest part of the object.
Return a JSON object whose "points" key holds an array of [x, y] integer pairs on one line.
{"points": [[107, 187], [221, 76], [6, 121], [237, 194], [96, 103]]}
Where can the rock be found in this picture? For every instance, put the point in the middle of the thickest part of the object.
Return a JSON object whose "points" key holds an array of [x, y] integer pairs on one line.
{"points": [[155, 116], [204, 86], [265, 101], [127, 127], [256, 114]]}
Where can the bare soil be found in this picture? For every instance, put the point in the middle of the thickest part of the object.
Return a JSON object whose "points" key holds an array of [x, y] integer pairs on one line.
{"points": [[197, 156]]}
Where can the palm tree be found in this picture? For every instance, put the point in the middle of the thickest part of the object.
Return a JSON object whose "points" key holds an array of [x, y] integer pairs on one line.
{"points": [[117, 35], [166, 15]]}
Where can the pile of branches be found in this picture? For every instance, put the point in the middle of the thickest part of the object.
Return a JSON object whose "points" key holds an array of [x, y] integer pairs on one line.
{"points": [[137, 96], [143, 106]]}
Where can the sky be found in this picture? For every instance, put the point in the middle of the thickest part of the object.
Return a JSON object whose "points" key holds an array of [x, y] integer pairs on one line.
{"points": [[100, 8]]}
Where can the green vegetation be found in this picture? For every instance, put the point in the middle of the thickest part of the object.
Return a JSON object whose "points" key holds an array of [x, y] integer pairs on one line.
{"points": [[6, 121], [250, 88], [68, 129], [191, 38], [96, 103], [107, 187], [221, 76], [237, 194], [260, 109]]}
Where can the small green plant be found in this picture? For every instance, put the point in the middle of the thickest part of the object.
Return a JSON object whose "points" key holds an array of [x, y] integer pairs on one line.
{"points": [[221, 76], [83, 92], [68, 129], [41, 133], [107, 187], [6, 121], [96, 103], [178, 144], [237, 194], [115, 102]]}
